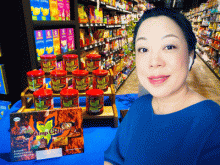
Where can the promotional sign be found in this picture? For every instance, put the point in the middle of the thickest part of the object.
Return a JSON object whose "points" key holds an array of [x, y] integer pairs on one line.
{"points": [[46, 134]]}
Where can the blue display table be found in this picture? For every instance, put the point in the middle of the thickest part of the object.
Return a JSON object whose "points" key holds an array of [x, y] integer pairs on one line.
{"points": [[96, 139]]}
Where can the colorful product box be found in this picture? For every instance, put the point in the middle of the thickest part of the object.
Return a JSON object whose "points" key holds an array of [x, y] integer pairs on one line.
{"points": [[70, 39], [45, 10], [36, 10], [48, 40], [39, 41], [46, 134], [54, 12], [67, 9], [56, 41], [61, 9], [3, 87], [63, 40], [4, 108]]}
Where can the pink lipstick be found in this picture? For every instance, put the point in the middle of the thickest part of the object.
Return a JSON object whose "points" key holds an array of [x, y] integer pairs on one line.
{"points": [[158, 79]]}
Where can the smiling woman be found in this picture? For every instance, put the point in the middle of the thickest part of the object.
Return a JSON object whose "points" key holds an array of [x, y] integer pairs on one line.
{"points": [[173, 124]]}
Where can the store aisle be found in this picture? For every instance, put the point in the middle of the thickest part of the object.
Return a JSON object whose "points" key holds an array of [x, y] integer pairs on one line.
{"points": [[200, 79]]}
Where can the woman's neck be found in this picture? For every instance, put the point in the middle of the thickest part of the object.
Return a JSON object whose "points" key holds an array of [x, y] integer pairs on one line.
{"points": [[172, 102]]}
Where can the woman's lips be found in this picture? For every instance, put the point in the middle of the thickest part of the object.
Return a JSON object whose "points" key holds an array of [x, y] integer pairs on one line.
{"points": [[158, 79]]}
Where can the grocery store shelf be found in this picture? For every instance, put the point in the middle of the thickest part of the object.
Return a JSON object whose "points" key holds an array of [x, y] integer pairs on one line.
{"points": [[208, 65], [46, 24], [116, 89]]}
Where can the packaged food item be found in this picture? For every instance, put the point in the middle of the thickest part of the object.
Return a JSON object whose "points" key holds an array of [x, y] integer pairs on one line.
{"points": [[43, 99], [70, 39], [48, 40], [93, 62], [94, 101], [82, 37], [45, 10], [58, 80], [91, 14], [35, 10], [100, 79], [63, 40], [82, 14], [80, 80], [67, 9], [48, 63], [54, 12], [69, 98], [56, 41], [36, 79], [61, 9], [70, 62], [39, 42]]}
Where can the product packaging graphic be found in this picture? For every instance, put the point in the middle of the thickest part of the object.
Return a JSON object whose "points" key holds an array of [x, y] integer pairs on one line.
{"points": [[67, 9], [36, 10], [46, 134], [70, 39], [54, 12], [48, 40], [63, 40], [4, 108], [61, 9], [45, 10], [39, 41], [56, 41]]}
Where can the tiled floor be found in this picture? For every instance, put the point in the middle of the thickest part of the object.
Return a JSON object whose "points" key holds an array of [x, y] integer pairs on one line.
{"points": [[200, 79]]}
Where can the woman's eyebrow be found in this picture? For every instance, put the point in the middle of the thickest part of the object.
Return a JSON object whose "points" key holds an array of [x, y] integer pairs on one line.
{"points": [[141, 38], [169, 35]]}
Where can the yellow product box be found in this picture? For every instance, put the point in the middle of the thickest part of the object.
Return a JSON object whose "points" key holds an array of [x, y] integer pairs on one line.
{"points": [[54, 12], [56, 41]]}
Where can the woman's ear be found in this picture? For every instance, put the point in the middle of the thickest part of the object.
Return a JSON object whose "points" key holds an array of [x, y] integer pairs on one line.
{"points": [[191, 59]]}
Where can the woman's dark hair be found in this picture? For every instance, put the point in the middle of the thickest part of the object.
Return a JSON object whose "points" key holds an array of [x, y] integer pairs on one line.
{"points": [[179, 18]]}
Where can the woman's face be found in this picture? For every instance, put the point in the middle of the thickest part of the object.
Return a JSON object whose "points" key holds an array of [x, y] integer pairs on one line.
{"points": [[162, 56]]}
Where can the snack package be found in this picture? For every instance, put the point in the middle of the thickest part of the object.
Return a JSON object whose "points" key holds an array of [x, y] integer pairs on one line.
{"points": [[56, 41], [98, 15], [48, 40], [91, 14], [61, 9], [82, 14], [63, 40], [70, 39], [82, 37], [67, 9], [45, 10], [92, 41], [54, 13], [35, 10], [39, 42]]}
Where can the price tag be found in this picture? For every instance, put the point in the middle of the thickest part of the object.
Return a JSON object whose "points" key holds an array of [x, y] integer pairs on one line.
{"points": [[85, 48], [100, 43], [91, 24], [81, 25], [95, 44], [90, 46], [87, 24], [96, 25]]}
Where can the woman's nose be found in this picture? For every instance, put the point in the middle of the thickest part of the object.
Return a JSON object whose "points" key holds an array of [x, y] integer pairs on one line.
{"points": [[156, 62]]}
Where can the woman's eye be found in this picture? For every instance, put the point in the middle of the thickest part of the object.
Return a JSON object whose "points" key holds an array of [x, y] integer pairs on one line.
{"points": [[142, 50], [169, 47]]}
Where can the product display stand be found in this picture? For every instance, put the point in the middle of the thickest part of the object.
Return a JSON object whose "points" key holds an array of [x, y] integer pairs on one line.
{"points": [[109, 112]]}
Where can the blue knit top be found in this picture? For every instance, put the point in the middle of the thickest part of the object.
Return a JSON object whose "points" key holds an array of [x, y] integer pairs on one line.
{"points": [[190, 136]]}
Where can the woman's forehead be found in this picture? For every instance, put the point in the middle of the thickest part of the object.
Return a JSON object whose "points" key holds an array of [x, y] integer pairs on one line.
{"points": [[158, 27]]}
